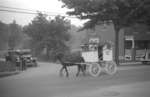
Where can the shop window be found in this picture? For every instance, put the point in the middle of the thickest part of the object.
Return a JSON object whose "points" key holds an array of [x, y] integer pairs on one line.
{"points": [[128, 44], [142, 44]]}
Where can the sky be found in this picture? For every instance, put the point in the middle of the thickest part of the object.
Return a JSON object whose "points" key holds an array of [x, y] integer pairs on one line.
{"points": [[51, 6]]}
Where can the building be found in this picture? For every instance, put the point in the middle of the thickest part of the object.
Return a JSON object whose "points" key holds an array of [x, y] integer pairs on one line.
{"points": [[132, 40], [136, 42]]}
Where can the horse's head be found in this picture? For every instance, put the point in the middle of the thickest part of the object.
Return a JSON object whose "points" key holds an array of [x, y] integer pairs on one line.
{"points": [[59, 57]]}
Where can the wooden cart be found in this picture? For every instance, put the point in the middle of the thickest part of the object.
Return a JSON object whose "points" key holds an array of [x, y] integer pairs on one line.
{"points": [[98, 58]]}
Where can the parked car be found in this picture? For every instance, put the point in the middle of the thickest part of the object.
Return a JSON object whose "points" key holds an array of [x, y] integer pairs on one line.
{"points": [[29, 60], [23, 56]]}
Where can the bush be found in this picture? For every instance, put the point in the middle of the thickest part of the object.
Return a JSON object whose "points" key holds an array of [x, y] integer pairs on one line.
{"points": [[6, 67]]}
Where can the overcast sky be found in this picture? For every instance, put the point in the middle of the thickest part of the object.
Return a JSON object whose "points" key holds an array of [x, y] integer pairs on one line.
{"points": [[52, 6]]}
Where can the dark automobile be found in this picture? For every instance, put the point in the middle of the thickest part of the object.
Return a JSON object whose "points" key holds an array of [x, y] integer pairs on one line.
{"points": [[29, 60], [23, 56]]}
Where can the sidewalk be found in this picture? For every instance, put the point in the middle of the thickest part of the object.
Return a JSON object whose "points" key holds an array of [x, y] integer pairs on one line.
{"points": [[131, 65]]}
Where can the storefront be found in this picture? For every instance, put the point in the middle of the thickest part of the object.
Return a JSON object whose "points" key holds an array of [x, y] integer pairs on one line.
{"points": [[135, 46]]}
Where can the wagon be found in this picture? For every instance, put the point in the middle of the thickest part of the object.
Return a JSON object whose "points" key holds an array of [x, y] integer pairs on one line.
{"points": [[98, 58]]}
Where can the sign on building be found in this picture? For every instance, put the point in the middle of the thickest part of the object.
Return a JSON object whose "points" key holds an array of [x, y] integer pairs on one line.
{"points": [[94, 40]]}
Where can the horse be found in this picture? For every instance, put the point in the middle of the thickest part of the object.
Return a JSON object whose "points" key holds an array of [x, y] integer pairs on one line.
{"points": [[81, 66]]}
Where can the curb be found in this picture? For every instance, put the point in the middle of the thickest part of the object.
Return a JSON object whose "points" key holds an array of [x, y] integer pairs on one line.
{"points": [[5, 74], [131, 64]]}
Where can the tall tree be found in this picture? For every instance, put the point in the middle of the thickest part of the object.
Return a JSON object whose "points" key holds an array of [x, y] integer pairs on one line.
{"points": [[119, 12], [3, 35], [15, 35], [49, 34]]}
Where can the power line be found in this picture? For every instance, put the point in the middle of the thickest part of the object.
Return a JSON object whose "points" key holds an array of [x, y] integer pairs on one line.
{"points": [[25, 12], [34, 13], [7, 7], [28, 11], [13, 11], [15, 8]]}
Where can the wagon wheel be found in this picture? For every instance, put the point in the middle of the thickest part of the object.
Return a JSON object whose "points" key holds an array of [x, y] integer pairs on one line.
{"points": [[94, 69], [110, 67]]}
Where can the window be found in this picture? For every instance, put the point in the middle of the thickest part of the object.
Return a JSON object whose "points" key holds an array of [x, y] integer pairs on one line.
{"points": [[128, 44], [142, 44]]}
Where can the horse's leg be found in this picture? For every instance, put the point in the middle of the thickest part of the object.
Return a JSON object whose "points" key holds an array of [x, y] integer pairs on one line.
{"points": [[61, 70], [79, 69], [83, 68], [67, 74]]}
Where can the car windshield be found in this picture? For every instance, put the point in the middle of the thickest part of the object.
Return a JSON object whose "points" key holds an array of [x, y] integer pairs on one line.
{"points": [[27, 55]]}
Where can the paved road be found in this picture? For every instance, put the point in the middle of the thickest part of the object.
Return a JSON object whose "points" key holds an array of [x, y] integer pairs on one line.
{"points": [[44, 81]]}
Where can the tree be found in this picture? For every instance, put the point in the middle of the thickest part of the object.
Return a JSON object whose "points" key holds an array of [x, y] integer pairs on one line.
{"points": [[3, 35], [144, 17], [49, 34], [121, 13], [15, 35]]}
